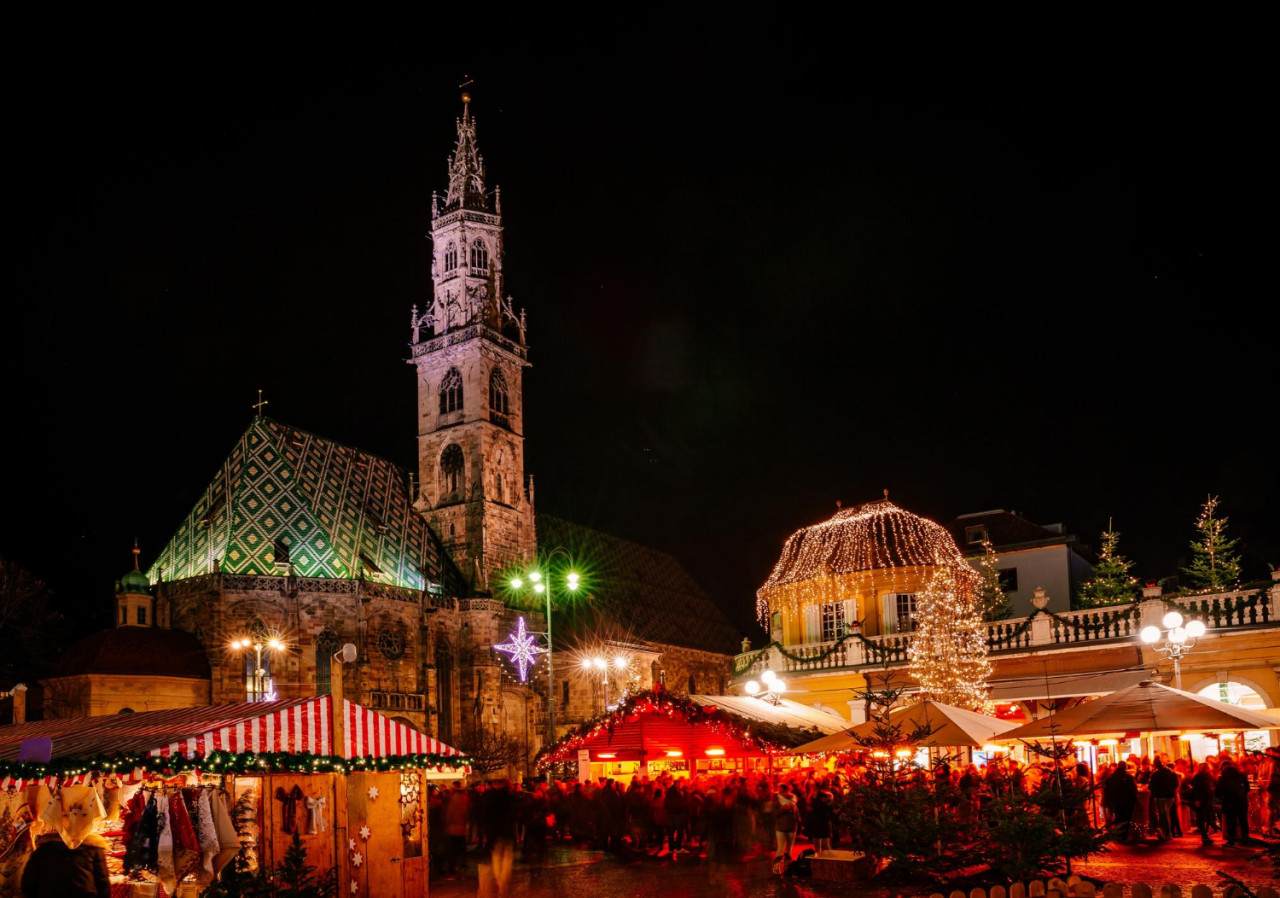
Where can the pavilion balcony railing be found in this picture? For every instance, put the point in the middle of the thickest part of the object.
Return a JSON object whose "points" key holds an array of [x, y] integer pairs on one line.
{"points": [[1043, 631]]}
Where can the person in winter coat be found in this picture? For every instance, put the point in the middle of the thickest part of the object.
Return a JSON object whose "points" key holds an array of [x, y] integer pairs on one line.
{"points": [[786, 820], [1164, 791], [1233, 792], [1200, 798], [1120, 794], [55, 871]]}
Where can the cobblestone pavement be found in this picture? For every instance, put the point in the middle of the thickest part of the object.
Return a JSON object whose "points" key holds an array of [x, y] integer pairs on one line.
{"points": [[568, 872]]}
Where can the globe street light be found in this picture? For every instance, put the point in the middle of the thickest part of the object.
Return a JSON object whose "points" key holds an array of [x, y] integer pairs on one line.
{"points": [[265, 641], [772, 689], [542, 586], [1178, 640]]}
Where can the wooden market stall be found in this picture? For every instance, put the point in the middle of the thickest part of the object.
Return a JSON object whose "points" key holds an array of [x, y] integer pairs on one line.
{"points": [[655, 732], [352, 787]]}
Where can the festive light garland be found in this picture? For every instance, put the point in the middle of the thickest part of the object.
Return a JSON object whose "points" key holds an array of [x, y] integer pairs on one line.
{"points": [[834, 560], [769, 738], [948, 648], [245, 763]]}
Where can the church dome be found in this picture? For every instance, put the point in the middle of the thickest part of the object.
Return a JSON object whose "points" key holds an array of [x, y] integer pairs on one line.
{"points": [[135, 582], [136, 651], [831, 560]]}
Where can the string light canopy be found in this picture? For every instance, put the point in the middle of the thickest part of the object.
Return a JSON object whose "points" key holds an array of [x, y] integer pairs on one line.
{"points": [[834, 560]]}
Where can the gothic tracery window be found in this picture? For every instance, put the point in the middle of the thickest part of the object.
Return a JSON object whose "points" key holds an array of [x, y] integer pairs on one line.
{"points": [[450, 257], [391, 644], [451, 391], [479, 255], [452, 464], [499, 398]]}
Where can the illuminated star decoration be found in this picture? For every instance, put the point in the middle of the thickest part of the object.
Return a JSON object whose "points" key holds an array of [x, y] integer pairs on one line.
{"points": [[357, 859], [373, 793], [523, 649], [355, 888], [365, 833]]}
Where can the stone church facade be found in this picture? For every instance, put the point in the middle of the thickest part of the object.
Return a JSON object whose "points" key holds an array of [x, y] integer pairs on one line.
{"points": [[320, 544]]}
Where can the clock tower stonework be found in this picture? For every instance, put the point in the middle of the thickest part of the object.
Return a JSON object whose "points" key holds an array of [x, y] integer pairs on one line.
{"points": [[469, 352]]}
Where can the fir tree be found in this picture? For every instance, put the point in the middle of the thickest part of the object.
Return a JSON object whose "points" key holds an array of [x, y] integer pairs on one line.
{"points": [[948, 649], [1215, 564], [1111, 583], [991, 596]]}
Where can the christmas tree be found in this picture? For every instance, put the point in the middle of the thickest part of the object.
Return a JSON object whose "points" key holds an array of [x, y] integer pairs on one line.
{"points": [[1215, 564], [948, 650], [991, 598], [1111, 583]]}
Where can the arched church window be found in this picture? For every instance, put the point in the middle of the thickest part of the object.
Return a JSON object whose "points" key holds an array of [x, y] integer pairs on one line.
{"points": [[499, 401], [450, 257], [452, 464], [451, 391], [326, 645], [479, 255], [391, 644]]}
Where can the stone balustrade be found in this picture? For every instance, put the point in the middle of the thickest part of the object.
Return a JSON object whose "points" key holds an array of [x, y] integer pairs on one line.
{"points": [[1042, 631]]}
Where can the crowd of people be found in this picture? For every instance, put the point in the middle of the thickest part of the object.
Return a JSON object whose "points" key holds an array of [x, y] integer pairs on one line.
{"points": [[761, 813]]}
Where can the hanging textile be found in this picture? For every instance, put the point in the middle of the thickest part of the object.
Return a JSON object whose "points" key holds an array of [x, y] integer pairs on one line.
{"points": [[289, 808], [167, 874], [81, 809], [315, 815], [206, 832], [142, 844], [228, 840]]}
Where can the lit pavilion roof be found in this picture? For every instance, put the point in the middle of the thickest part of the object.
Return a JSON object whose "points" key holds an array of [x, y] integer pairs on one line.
{"points": [[822, 561]]}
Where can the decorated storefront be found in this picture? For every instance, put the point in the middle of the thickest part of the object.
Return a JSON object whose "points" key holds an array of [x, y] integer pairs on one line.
{"points": [[656, 732], [179, 795]]}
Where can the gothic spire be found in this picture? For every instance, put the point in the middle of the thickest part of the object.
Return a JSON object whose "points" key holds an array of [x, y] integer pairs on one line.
{"points": [[466, 166]]}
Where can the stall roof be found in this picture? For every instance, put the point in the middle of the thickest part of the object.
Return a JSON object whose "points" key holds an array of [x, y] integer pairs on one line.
{"points": [[300, 726], [786, 712], [1065, 685], [950, 727], [1144, 708]]}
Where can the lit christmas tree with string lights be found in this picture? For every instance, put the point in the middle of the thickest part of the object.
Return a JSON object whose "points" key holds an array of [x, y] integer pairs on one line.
{"points": [[991, 595], [1111, 583], [948, 650], [1215, 564]]}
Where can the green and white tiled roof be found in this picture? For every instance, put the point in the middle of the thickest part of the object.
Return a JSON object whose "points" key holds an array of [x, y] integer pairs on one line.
{"points": [[337, 511]]}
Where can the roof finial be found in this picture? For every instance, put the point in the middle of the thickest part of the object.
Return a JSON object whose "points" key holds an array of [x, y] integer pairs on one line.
{"points": [[260, 403], [886, 495], [136, 553], [839, 505], [467, 81]]}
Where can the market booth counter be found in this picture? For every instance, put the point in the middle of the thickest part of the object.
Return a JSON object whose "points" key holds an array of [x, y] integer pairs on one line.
{"points": [[655, 732], [352, 788]]}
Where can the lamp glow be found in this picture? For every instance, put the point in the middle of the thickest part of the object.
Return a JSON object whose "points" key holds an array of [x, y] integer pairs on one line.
{"points": [[715, 752], [903, 752], [517, 583], [538, 587], [1150, 634], [1172, 619], [606, 754], [768, 676], [573, 581], [1195, 629], [620, 663], [1178, 635], [675, 753], [751, 687], [599, 663], [534, 576]]}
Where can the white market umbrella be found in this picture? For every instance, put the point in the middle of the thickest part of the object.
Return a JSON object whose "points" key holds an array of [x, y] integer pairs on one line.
{"points": [[1146, 708], [951, 726]]}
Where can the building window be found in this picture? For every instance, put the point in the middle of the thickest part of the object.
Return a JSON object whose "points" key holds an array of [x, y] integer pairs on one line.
{"points": [[898, 612], [451, 469], [975, 535], [451, 391], [564, 693], [693, 685], [832, 621], [391, 644], [326, 645], [280, 550], [1008, 579], [124, 614], [142, 616], [265, 689], [450, 257], [499, 403], [479, 256]]}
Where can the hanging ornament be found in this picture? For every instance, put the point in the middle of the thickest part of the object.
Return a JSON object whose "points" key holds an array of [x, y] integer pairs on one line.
{"points": [[355, 888], [351, 844], [523, 649], [373, 793], [365, 833], [357, 859]]}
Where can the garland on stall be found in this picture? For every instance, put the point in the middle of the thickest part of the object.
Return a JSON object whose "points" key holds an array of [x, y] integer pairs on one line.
{"points": [[221, 762], [770, 738]]}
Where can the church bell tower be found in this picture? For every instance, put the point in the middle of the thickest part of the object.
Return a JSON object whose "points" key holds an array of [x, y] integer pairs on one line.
{"points": [[469, 352]]}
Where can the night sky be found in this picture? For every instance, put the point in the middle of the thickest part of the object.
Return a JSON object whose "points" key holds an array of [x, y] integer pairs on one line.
{"points": [[763, 271]]}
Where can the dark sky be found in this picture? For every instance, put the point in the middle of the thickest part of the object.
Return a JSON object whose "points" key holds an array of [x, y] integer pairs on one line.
{"points": [[764, 271]]}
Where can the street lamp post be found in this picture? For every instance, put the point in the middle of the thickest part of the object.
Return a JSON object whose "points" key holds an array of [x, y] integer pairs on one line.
{"points": [[259, 644], [543, 587], [1178, 640]]}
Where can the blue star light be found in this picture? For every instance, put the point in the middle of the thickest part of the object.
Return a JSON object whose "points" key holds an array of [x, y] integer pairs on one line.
{"points": [[523, 649]]}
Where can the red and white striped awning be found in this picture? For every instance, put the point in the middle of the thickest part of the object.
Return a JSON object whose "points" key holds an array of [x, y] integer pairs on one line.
{"points": [[297, 726]]}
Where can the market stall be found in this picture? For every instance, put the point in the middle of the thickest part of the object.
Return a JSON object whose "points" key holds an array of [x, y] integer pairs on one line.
{"points": [[179, 793], [655, 732], [928, 725]]}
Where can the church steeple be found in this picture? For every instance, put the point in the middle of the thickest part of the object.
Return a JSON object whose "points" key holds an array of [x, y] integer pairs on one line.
{"points": [[466, 167], [469, 351]]}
